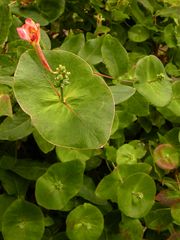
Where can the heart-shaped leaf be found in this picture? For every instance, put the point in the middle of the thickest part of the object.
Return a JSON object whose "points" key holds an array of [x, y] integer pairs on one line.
{"points": [[84, 120]]}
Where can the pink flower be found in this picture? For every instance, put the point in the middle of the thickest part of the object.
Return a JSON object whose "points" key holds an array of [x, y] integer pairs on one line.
{"points": [[30, 31]]}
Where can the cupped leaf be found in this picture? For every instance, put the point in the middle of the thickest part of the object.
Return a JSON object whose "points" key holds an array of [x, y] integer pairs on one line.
{"points": [[59, 184], [85, 222], [152, 81], [23, 221], [77, 122], [139, 191], [114, 56]]}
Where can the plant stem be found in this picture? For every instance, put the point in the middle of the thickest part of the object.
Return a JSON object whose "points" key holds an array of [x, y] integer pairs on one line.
{"points": [[42, 57], [62, 94]]}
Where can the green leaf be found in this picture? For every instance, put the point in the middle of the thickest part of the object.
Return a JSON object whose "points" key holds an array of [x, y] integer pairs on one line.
{"points": [[73, 43], [139, 191], [51, 9], [130, 229], [87, 192], [148, 4], [42, 143], [152, 81], [45, 41], [126, 170], [108, 186], [68, 154], [5, 202], [5, 21], [125, 118], [7, 65], [59, 184], [137, 105], [175, 213], [88, 100], [169, 35], [30, 12], [5, 105], [22, 220], [114, 56], [138, 33], [30, 169], [16, 127], [91, 51], [158, 219], [172, 12], [85, 222], [140, 148], [13, 184], [126, 154], [174, 105], [121, 92]]}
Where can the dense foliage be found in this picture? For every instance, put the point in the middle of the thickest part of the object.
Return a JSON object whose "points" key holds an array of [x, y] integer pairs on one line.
{"points": [[90, 126]]}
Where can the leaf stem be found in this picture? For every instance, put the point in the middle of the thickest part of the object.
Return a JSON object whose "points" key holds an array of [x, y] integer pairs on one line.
{"points": [[103, 75]]}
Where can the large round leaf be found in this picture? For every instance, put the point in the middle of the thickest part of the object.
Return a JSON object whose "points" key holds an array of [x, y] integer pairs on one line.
{"points": [[136, 195], [85, 222], [59, 184], [23, 221], [152, 81], [84, 120]]}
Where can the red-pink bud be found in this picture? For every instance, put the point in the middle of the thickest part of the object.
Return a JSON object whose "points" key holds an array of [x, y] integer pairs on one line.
{"points": [[30, 31]]}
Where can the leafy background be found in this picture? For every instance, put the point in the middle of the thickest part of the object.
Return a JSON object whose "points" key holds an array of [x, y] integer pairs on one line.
{"points": [[126, 188]]}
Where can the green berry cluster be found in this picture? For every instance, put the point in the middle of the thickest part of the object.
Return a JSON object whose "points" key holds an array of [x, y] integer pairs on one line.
{"points": [[62, 76]]}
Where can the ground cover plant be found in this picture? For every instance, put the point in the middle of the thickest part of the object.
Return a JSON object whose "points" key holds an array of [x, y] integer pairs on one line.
{"points": [[89, 119]]}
